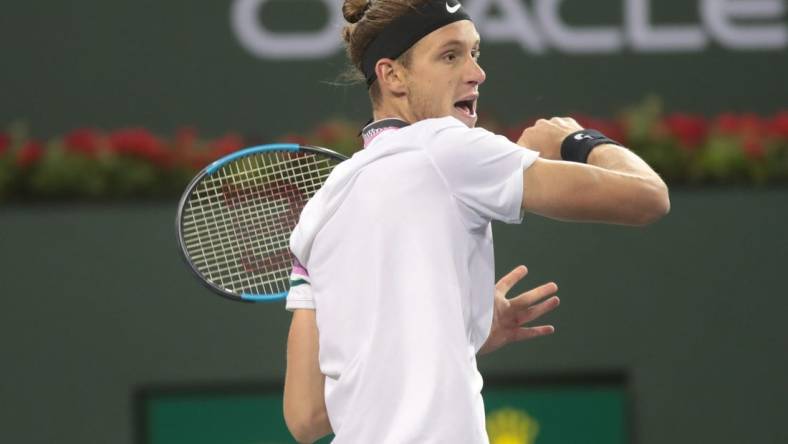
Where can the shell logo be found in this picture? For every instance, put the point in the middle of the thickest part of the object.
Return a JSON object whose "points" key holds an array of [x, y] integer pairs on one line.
{"points": [[511, 426]]}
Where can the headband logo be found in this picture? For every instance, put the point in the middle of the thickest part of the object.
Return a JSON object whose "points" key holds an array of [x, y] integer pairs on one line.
{"points": [[453, 9]]}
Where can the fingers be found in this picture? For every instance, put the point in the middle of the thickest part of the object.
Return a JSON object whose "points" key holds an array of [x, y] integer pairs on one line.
{"points": [[531, 297], [507, 282], [563, 124], [533, 332], [538, 310]]}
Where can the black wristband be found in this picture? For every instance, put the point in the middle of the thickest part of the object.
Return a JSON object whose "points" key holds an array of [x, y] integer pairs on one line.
{"points": [[577, 146]]}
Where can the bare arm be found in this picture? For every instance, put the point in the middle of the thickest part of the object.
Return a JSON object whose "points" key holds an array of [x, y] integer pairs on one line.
{"points": [[304, 402], [616, 186]]}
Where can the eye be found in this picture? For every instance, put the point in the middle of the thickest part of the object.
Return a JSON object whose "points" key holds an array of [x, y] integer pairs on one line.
{"points": [[450, 56], [476, 53]]}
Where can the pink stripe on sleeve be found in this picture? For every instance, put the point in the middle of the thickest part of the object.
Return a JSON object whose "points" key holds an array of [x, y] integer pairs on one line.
{"points": [[299, 269]]}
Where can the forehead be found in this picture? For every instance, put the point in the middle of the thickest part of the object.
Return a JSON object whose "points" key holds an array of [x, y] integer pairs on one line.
{"points": [[461, 32]]}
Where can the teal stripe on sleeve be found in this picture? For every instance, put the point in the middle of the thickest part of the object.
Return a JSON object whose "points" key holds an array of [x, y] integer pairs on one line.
{"points": [[297, 282]]}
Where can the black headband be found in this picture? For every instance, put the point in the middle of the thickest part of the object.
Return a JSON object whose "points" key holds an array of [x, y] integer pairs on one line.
{"points": [[406, 30]]}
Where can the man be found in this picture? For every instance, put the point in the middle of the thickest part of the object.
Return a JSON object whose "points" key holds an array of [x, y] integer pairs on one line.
{"points": [[398, 243]]}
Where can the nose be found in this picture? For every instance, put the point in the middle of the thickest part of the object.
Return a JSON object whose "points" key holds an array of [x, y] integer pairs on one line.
{"points": [[476, 74]]}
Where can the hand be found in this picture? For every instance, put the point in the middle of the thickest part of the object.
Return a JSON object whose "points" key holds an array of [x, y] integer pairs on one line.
{"points": [[546, 136], [510, 314]]}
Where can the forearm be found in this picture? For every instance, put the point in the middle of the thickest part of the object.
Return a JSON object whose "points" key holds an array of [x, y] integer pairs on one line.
{"points": [[614, 186], [589, 193], [637, 173], [620, 159], [304, 402]]}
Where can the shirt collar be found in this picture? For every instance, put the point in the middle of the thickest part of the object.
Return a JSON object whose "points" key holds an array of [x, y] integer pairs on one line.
{"points": [[376, 128]]}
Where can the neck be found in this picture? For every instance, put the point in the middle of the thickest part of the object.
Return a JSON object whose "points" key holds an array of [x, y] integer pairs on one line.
{"points": [[394, 110]]}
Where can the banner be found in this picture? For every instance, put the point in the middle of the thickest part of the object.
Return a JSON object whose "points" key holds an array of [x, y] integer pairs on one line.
{"points": [[270, 67], [737, 25]]}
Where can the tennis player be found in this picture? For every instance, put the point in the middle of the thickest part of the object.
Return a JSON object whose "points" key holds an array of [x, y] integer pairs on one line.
{"points": [[399, 296]]}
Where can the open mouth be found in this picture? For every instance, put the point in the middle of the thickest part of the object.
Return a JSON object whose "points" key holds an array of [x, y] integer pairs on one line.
{"points": [[467, 107]]}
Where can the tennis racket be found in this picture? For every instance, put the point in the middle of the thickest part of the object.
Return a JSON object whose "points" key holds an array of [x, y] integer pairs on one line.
{"points": [[235, 218]]}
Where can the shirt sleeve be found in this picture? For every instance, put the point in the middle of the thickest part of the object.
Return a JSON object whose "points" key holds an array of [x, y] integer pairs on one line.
{"points": [[483, 171], [300, 294]]}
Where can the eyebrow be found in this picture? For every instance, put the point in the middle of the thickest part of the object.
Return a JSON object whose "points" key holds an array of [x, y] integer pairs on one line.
{"points": [[455, 43]]}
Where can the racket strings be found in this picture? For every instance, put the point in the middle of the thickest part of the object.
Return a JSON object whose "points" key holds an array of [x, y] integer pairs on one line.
{"points": [[263, 212], [237, 224], [239, 220], [289, 170]]}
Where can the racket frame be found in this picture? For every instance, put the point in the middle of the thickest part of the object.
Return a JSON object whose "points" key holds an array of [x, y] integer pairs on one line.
{"points": [[210, 170]]}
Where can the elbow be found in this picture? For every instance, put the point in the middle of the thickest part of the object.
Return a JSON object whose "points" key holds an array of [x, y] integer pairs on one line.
{"points": [[301, 433], [654, 205], [306, 426], [300, 428]]}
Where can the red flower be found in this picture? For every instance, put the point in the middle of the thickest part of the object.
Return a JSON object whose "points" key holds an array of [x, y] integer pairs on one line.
{"points": [[690, 130], [5, 142], [753, 147], [84, 141], [229, 143], [184, 145], [199, 159], [727, 123], [185, 137], [732, 124], [751, 124], [140, 143], [29, 154], [328, 133], [613, 130], [778, 126]]}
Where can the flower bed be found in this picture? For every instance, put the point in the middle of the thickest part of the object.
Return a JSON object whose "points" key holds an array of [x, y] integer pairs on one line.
{"points": [[135, 163]]}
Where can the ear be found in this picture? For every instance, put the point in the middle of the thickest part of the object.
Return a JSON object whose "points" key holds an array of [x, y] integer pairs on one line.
{"points": [[391, 76]]}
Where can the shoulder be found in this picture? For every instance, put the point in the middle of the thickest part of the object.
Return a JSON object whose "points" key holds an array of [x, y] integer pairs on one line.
{"points": [[451, 136], [441, 124], [449, 130], [435, 135]]}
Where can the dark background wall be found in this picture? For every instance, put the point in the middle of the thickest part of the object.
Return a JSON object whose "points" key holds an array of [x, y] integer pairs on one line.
{"points": [[165, 64], [97, 303]]}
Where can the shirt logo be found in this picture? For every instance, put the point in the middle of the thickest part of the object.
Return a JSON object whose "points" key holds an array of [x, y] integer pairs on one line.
{"points": [[453, 9], [582, 136]]}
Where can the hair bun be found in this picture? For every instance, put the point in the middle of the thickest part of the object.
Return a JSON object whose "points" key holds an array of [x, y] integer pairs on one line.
{"points": [[354, 10]]}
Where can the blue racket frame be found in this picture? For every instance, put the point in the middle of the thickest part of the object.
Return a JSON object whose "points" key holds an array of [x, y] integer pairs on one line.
{"points": [[212, 169]]}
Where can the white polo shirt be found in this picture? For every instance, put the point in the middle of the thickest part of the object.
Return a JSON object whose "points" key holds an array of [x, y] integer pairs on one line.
{"points": [[399, 252]]}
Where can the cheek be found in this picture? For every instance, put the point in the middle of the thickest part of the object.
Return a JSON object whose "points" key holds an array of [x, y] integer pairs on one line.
{"points": [[439, 86], [432, 94]]}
